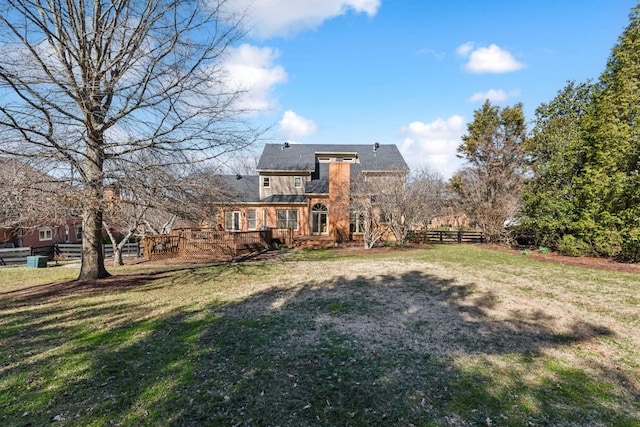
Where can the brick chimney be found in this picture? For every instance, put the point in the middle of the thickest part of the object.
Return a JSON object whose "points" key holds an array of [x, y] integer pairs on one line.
{"points": [[339, 195]]}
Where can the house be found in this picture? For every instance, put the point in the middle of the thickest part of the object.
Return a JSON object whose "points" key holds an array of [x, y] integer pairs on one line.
{"points": [[307, 188], [34, 213]]}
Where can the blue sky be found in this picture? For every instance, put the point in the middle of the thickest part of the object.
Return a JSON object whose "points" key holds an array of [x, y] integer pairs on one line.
{"points": [[411, 72]]}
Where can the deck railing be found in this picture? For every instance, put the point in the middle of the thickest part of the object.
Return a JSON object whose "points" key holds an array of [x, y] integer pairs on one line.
{"points": [[211, 243]]}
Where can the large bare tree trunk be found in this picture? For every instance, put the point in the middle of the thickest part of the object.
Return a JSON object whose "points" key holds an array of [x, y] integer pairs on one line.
{"points": [[92, 267], [92, 257]]}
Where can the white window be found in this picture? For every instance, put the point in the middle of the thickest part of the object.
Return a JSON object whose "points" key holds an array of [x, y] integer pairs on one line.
{"points": [[297, 182], [45, 234], [266, 182], [232, 221], [357, 222], [265, 223], [287, 219], [252, 219]]}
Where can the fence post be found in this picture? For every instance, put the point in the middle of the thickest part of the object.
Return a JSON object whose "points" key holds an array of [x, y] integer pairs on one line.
{"points": [[459, 236]]}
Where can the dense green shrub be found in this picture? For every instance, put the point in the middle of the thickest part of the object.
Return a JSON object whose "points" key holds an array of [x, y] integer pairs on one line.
{"points": [[630, 245], [572, 246], [607, 243]]}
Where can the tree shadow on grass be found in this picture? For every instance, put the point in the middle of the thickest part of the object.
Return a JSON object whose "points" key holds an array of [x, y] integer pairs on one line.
{"points": [[406, 349], [42, 293]]}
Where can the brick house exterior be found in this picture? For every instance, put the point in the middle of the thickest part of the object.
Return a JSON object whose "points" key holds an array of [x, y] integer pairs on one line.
{"points": [[42, 228], [43, 234], [305, 187]]}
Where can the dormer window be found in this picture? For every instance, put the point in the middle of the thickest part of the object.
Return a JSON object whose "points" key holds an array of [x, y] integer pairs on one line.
{"points": [[266, 182]]}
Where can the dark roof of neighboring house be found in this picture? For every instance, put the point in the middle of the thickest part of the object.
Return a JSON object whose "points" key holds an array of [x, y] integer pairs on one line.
{"points": [[240, 188], [302, 157]]}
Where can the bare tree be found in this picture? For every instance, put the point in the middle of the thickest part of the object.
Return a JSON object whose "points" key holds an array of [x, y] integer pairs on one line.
{"points": [[243, 163], [152, 205], [32, 198], [483, 198], [90, 84], [121, 222], [428, 196], [365, 212], [395, 203]]}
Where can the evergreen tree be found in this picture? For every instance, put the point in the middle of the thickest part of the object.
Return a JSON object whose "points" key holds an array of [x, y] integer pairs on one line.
{"points": [[557, 154], [584, 196], [489, 188], [610, 188]]}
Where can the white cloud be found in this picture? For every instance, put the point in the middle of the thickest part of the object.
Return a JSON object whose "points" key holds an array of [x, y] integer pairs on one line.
{"points": [[491, 59], [269, 18], [465, 49], [293, 126], [493, 95], [433, 144], [252, 70]]}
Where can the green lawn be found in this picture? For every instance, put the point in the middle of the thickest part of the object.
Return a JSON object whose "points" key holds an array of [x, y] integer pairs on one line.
{"points": [[449, 336]]}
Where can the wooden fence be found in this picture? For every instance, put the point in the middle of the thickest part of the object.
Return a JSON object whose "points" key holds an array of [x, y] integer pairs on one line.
{"points": [[17, 256], [211, 243], [447, 236], [9, 256], [74, 250]]}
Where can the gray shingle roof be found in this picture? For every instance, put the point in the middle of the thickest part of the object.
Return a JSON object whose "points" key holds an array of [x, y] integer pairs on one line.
{"points": [[317, 186], [302, 157], [240, 188]]}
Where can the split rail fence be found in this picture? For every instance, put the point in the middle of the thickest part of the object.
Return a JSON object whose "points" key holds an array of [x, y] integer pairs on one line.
{"points": [[212, 243]]}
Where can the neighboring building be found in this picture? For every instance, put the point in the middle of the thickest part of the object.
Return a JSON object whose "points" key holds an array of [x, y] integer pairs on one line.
{"points": [[33, 213], [43, 234], [305, 187], [450, 221]]}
